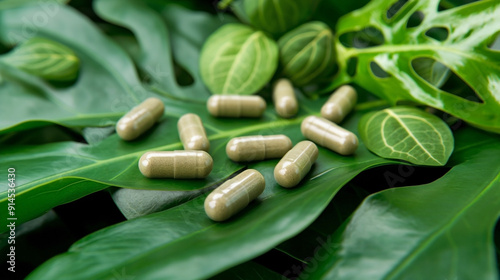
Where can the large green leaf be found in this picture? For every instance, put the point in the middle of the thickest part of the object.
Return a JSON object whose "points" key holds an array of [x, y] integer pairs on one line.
{"points": [[165, 246], [237, 59], [409, 134], [438, 230], [465, 52]]}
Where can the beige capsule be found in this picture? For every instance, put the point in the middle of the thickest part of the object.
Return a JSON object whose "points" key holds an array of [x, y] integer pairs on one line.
{"points": [[192, 133], [176, 164], [140, 119], [284, 99], [294, 166], [258, 147], [328, 134], [340, 103], [236, 106], [234, 195]]}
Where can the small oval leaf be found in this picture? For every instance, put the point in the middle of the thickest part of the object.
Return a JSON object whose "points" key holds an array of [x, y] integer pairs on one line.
{"points": [[237, 59], [408, 134], [307, 53], [46, 59]]}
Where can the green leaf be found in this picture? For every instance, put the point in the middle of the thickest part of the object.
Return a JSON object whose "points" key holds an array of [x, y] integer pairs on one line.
{"points": [[464, 51], [44, 58], [408, 134], [278, 16], [237, 59], [248, 271], [434, 231], [307, 53], [165, 246]]}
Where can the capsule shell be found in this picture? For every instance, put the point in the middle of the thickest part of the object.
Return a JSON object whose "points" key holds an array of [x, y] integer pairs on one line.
{"points": [[234, 195], [340, 103], [176, 164], [327, 134], [192, 133], [294, 166], [236, 106], [140, 119], [284, 99], [258, 147]]}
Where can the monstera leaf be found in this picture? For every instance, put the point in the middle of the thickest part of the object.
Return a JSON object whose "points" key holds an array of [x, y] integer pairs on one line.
{"points": [[457, 38]]}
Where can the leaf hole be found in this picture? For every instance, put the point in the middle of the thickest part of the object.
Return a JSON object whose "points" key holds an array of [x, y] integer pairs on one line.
{"points": [[365, 38], [378, 71], [395, 8], [182, 76], [441, 77], [450, 4], [495, 42], [415, 19], [437, 33], [352, 66]]}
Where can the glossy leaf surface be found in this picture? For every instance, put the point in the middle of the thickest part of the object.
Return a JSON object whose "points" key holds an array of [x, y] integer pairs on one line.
{"points": [[237, 59], [409, 134], [469, 28], [172, 233], [437, 226]]}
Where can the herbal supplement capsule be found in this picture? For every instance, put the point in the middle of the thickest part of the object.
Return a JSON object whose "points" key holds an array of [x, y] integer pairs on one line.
{"points": [[140, 118], [192, 133], [284, 99], [294, 166], [176, 164], [340, 103], [250, 148], [329, 135], [234, 195], [236, 106]]}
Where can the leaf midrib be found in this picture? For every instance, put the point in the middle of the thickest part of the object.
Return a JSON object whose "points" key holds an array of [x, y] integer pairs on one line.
{"points": [[29, 186]]}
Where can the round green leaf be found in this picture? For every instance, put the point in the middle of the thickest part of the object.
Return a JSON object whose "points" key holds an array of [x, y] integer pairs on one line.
{"points": [[46, 59], [307, 53], [237, 59], [408, 134]]}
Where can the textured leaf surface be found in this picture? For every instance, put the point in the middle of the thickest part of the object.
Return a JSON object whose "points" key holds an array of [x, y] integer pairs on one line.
{"points": [[45, 59], [165, 246], [465, 52], [438, 226], [409, 134], [237, 59], [307, 53]]}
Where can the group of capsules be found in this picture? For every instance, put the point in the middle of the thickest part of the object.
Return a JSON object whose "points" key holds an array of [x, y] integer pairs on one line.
{"points": [[236, 193]]}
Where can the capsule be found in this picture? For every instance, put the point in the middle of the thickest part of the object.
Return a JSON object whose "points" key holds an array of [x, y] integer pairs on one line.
{"points": [[329, 135], [284, 99], [176, 164], [234, 195], [294, 166], [140, 119], [236, 106], [252, 148], [340, 103], [192, 133]]}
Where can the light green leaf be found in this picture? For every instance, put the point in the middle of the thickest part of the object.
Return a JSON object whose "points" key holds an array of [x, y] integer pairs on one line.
{"points": [[237, 59], [44, 58], [307, 53], [440, 230], [408, 134], [470, 29]]}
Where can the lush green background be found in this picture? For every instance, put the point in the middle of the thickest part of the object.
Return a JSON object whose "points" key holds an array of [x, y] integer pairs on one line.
{"points": [[353, 217]]}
